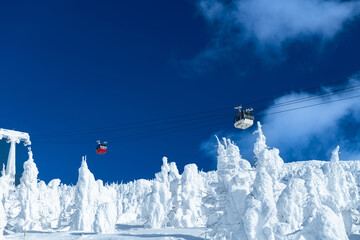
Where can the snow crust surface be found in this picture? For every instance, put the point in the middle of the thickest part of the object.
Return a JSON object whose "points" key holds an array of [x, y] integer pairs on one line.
{"points": [[270, 200]]}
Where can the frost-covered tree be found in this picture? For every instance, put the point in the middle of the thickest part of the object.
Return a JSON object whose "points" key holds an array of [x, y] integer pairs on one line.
{"points": [[107, 194], [29, 217], [175, 187], [274, 201], [131, 200], [335, 154], [49, 201], [2, 218], [261, 213], [321, 220], [226, 201], [86, 199], [192, 192], [106, 213], [67, 198], [319, 202], [156, 212], [158, 202], [105, 218], [335, 191], [3, 189], [290, 207]]}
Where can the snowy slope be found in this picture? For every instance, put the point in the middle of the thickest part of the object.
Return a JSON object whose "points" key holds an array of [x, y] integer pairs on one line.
{"points": [[271, 200]]}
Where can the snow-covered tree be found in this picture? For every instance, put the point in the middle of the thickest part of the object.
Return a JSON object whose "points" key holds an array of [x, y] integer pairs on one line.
{"points": [[192, 192], [3, 189], [318, 203], [29, 217], [335, 154], [273, 201], [321, 220], [67, 202], [105, 218], [131, 200], [175, 188], [86, 199], [290, 207], [226, 201], [2, 218], [158, 202], [49, 201], [261, 213]]}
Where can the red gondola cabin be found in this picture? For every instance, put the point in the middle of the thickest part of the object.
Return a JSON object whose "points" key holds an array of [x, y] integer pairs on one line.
{"points": [[101, 148]]}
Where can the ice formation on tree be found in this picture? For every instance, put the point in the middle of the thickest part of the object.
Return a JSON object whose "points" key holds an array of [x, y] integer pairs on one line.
{"points": [[261, 213], [67, 198], [175, 188], [49, 201], [310, 200], [335, 155], [3, 192], [159, 199], [192, 191], [2, 220], [131, 199], [175, 200], [86, 197], [271, 200], [318, 203], [226, 200], [29, 217], [105, 218]]}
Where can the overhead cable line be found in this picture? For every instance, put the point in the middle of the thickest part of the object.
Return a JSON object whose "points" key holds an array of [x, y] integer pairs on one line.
{"points": [[186, 127], [304, 90], [207, 117], [160, 121], [198, 124], [227, 122], [314, 97], [146, 125], [221, 116], [313, 105]]}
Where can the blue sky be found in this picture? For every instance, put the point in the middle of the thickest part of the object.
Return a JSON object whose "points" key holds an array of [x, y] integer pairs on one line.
{"points": [[67, 66]]}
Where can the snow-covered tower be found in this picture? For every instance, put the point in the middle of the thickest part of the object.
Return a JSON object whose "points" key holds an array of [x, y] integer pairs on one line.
{"points": [[13, 137]]}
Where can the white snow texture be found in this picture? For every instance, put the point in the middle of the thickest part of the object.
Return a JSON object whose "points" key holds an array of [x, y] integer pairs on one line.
{"points": [[271, 200]]}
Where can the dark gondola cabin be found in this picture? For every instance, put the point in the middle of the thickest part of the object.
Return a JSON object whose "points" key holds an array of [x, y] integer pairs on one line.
{"points": [[101, 148]]}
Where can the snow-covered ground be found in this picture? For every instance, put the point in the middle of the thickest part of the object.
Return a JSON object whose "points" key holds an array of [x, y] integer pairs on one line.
{"points": [[123, 232], [272, 200]]}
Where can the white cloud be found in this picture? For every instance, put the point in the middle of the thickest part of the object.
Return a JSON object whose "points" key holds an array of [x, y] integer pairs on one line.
{"points": [[273, 22], [313, 131]]}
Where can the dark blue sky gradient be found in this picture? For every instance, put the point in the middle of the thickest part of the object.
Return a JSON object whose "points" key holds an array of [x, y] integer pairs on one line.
{"points": [[69, 66]]}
